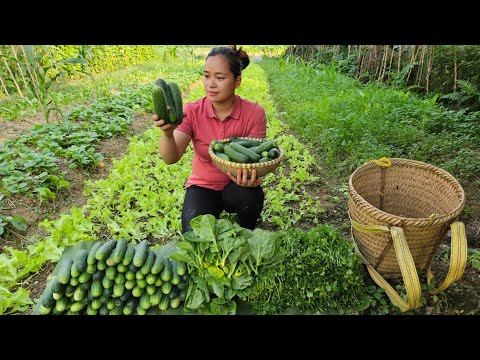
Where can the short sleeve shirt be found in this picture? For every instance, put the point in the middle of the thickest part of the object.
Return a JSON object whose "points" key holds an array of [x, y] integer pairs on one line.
{"points": [[246, 119]]}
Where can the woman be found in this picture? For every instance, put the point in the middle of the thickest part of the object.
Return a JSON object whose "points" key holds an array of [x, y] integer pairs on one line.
{"points": [[218, 115]]}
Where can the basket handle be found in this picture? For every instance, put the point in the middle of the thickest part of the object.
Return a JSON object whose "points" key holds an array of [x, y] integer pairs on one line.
{"points": [[458, 260], [406, 264], [408, 270], [458, 257]]}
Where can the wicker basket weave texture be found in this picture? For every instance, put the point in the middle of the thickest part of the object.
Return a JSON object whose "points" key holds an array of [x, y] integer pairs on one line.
{"points": [[231, 167], [421, 199]]}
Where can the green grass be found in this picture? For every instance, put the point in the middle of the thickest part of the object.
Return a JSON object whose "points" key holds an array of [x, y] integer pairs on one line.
{"points": [[352, 123]]}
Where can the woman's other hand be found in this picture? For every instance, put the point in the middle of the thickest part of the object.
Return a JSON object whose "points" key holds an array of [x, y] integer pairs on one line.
{"points": [[243, 180], [165, 126]]}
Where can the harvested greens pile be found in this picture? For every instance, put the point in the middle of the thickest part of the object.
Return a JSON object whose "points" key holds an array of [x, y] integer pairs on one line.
{"points": [[222, 260], [217, 268], [320, 273]]}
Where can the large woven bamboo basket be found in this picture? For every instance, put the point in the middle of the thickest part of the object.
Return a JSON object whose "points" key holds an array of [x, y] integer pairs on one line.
{"points": [[232, 167], [420, 198]]}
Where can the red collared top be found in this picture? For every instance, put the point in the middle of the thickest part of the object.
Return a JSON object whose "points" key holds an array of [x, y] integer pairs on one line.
{"points": [[246, 119]]}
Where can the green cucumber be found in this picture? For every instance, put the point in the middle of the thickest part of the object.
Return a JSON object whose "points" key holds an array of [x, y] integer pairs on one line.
{"points": [[116, 311], [101, 265], [108, 292], [140, 311], [254, 157], [130, 284], [118, 290], [172, 115], [218, 147], [62, 304], [130, 306], [150, 278], [181, 268], [91, 269], [103, 310], [166, 287], [120, 278], [176, 101], [137, 291], [111, 260], [130, 252], [105, 250], [98, 275], [91, 260], [81, 260], [69, 290], [151, 289], [57, 287], [126, 295], [245, 142], [175, 280], [120, 250], [166, 273], [43, 310], [156, 297], [265, 146], [84, 277], [183, 294], [235, 156], [111, 304], [111, 273], [63, 275], [79, 294], [182, 284], [47, 299], [158, 264], [145, 301], [91, 310], [164, 303], [222, 155], [142, 283], [159, 103], [141, 253], [173, 293], [273, 153], [147, 266], [74, 272], [96, 288], [122, 268], [130, 275], [107, 283], [175, 302]]}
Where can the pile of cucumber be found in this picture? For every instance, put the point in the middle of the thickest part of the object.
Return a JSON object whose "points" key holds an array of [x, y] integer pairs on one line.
{"points": [[168, 94], [115, 278], [245, 151]]}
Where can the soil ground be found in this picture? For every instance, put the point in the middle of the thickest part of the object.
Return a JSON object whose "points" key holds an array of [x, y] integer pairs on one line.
{"points": [[462, 297]]}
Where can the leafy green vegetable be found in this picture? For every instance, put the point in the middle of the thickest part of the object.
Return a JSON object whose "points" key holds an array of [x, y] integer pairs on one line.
{"points": [[320, 273], [222, 258]]}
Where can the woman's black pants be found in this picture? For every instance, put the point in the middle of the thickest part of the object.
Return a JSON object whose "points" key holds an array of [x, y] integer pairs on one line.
{"points": [[246, 202]]}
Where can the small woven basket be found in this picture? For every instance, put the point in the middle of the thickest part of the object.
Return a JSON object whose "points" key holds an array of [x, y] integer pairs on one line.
{"points": [[421, 199], [232, 167]]}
